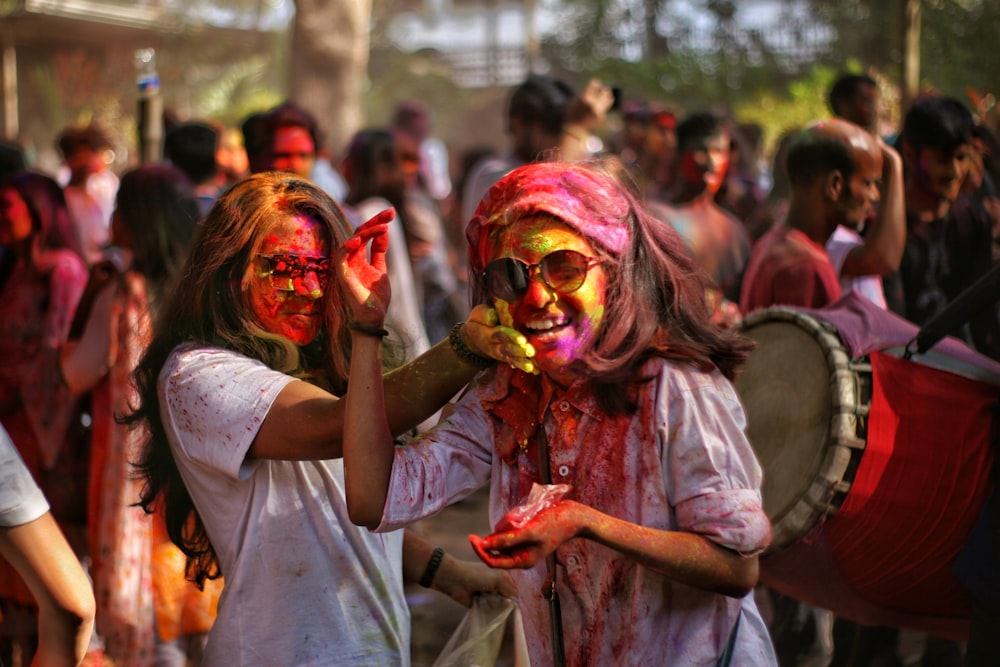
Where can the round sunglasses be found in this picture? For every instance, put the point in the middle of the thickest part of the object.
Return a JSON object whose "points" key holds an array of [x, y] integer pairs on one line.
{"points": [[283, 270], [564, 271]]}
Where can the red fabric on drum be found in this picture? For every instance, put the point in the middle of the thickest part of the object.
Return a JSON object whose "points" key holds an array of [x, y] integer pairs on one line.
{"points": [[921, 482]]}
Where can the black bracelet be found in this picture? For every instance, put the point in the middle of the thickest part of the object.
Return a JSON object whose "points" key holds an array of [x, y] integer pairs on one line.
{"points": [[432, 567], [377, 332], [463, 351]]}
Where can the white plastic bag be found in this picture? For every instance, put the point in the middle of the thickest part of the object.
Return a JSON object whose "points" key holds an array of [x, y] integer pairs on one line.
{"points": [[477, 639]]}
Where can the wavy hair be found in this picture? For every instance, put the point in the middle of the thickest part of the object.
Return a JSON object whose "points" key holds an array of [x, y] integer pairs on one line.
{"points": [[210, 307]]}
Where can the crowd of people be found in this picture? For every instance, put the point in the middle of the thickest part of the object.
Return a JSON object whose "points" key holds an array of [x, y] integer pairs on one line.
{"points": [[230, 380]]}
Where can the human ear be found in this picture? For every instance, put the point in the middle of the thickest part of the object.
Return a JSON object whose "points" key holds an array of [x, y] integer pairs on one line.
{"points": [[833, 185]]}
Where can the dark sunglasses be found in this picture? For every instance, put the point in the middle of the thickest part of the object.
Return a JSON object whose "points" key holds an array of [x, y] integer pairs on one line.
{"points": [[563, 271], [283, 270]]}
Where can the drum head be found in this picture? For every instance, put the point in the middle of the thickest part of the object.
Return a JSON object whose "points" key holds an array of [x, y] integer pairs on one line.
{"points": [[791, 390]]}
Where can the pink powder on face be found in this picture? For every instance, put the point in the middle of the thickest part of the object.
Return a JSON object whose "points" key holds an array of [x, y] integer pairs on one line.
{"points": [[590, 202]]}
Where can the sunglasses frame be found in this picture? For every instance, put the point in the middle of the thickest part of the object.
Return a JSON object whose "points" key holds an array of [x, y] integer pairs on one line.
{"points": [[530, 270], [300, 265]]}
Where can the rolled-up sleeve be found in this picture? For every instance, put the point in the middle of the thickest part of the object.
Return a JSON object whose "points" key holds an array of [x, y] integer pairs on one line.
{"points": [[441, 467], [713, 474]]}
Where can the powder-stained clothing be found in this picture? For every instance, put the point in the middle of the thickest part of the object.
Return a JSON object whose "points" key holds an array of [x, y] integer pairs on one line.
{"points": [[681, 462], [120, 533], [304, 585], [838, 247], [786, 267], [37, 304]]}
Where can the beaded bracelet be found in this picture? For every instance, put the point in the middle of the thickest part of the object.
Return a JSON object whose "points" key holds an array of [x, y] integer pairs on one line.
{"points": [[432, 567], [377, 332], [463, 351]]}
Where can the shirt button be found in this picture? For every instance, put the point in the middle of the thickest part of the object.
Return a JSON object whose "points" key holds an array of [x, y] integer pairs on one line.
{"points": [[564, 471], [564, 406]]}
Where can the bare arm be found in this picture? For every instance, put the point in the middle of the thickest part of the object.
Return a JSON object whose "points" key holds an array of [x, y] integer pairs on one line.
{"points": [[307, 423], [459, 580], [43, 558], [87, 359], [882, 250], [683, 556]]}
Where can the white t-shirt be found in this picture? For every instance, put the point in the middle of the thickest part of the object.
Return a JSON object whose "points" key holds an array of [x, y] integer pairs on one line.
{"points": [[870, 287], [21, 501], [304, 585]]}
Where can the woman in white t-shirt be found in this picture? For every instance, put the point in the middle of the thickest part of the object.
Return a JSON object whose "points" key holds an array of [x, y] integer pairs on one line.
{"points": [[239, 389]]}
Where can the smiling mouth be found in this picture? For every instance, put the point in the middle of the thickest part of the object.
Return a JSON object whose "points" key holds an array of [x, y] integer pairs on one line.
{"points": [[545, 327]]}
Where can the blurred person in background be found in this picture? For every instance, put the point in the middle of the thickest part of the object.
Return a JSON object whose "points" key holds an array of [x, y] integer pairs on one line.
{"points": [[854, 97], [288, 138], [38, 299], [89, 187], [376, 179], [193, 148], [717, 240], [147, 613], [442, 299], [545, 120]]}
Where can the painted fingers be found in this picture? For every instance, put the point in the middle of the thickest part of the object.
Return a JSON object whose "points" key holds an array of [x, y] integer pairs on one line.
{"points": [[485, 336]]}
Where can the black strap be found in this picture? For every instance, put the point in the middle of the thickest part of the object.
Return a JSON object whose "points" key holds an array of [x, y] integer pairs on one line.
{"points": [[555, 611], [981, 294], [727, 654]]}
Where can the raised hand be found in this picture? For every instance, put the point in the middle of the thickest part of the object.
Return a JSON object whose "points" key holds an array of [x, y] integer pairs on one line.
{"points": [[363, 274]]}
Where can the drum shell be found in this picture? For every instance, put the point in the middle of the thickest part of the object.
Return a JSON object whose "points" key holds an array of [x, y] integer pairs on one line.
{"points": [[888, 560]]}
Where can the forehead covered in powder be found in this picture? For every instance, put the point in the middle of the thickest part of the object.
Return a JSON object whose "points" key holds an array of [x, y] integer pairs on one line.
{"points": [[590, 202]]}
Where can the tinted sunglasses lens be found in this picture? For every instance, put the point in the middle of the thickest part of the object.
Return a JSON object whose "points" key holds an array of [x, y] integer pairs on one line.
{"points": [[506, 278], [284, 270], [564, 270]]}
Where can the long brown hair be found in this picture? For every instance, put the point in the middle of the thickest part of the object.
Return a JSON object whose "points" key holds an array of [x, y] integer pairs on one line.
{"points": [[210, 307]]}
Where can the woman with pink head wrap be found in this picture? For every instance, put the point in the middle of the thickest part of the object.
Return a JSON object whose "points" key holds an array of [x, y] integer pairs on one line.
{"points": [[622, 420]]}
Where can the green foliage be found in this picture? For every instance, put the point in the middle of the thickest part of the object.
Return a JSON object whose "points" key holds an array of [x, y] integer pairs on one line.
{"points": [[778, 112]]}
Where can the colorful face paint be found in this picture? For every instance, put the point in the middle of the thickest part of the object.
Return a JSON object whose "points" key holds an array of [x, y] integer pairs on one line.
{"points": [[293, 150], [560, 325], [15, 219], [290, 274], [704, 165]]}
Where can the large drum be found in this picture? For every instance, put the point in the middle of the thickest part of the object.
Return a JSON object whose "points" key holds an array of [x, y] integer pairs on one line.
{"points": [[875, 465]]}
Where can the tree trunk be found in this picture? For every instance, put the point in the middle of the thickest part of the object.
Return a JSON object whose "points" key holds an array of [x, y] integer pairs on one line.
{"points": [[911, 53], [328, 64]]}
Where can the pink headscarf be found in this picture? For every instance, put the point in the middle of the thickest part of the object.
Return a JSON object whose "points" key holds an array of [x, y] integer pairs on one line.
{"points": [[590, 202]]}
